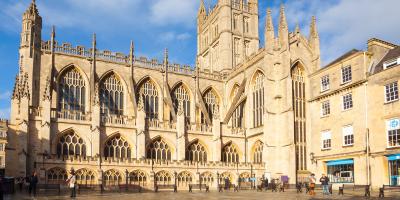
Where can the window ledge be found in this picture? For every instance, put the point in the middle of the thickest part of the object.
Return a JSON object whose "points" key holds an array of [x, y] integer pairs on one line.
{"points": [[393, 147], [345, 83], [348, 145], [390, 102], [326, 149], [348, 109], [325, 116]]}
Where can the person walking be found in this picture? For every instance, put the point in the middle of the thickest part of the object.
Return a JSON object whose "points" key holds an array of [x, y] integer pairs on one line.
{"points": [[33, 181], [312, 181], [71, 183], [325, 184]]}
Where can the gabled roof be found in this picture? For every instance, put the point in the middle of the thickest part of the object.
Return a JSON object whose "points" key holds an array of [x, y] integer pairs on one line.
{"points": [[344, 56], [391, 54]]}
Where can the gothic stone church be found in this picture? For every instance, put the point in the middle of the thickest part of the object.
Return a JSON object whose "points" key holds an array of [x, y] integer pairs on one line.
{"points": [[241, 112]]}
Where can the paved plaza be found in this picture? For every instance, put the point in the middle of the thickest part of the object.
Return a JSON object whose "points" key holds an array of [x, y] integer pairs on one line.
{"points": [[213, 195]]}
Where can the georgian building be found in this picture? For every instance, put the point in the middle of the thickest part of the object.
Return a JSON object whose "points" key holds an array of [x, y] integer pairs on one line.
{"points": [[241, 112]]}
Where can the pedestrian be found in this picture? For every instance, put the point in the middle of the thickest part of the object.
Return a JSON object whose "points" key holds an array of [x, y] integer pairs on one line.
{"points": [[312, 181], [266, 183], [325, 184], [33, 180], [71, 183], [20, 181]]}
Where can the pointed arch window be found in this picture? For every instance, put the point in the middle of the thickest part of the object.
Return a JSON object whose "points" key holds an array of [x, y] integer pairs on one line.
{"points": [[163, 178], [299, 112], [207, 178], [184, 178], [258, 99], [237, 119], [111, 96], [117, 147], [71, 144], [180, 93], [56, 175], [112, 177], [71, 94], [257, 152], [159, 150], [230, 154], [196, 152], [138, 177], [85, 177], [211, 102], [149, 93]]}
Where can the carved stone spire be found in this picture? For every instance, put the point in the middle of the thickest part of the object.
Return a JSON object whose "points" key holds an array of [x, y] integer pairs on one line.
{"points": [[180, 108], [313, 28], [297, 29], [269, 31], [283, 29], [96, 100], [24, 92], [132, 52], [47, 90], [15, 94], [140, 103]]}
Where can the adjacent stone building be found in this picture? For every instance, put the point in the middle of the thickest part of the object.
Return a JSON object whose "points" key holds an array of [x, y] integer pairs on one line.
{"points": [[242, 112]]}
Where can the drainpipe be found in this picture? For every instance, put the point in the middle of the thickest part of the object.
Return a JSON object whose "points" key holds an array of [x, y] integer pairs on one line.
{"points": [[367, 143]]}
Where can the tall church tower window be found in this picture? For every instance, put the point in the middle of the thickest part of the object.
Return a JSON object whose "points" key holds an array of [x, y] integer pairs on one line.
{"points": [[111, 96], [258, 99], [71, 95], [149, 93]]}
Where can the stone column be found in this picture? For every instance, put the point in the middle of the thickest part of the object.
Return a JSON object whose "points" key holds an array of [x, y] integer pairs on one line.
{"points": [[45, 126], [95, 125], [140, 131], [180, 128], [216, 130]]}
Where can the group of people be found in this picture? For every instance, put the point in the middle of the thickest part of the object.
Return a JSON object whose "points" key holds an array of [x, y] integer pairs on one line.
{"points": [[33, 180], [324, 180]]}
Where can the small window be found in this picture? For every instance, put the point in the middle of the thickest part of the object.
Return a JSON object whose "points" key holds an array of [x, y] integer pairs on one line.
{"points": [[346, 74], [325, 108], [246, 25], [347, 101], [348, 136], [393, 132], [326, 138], [325, 83], [391, 92]]}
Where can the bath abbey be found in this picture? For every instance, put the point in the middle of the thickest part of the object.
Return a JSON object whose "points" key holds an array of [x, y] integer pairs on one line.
{"points": [[248, 110]]}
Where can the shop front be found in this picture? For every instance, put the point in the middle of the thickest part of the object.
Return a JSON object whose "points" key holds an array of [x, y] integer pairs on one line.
{"points": [[340, 171], [394, 169]]}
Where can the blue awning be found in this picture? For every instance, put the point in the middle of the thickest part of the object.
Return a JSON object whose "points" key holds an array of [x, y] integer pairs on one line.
{"points": [[340, 162], [393, 157]]}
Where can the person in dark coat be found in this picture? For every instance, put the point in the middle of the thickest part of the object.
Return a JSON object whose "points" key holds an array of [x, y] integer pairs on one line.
{"points": [[325, 184], [266, 183], [33, 181]]}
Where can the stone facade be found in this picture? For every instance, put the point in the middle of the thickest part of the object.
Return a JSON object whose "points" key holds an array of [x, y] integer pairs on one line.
{"points": [[3, 143], [242, 112]]}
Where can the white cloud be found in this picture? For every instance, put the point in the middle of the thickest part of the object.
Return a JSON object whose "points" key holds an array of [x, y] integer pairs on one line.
{"points": [[344, 25], [167, 12]]}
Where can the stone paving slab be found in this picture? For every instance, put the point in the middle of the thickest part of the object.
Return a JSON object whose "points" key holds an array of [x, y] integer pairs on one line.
{"points": [[213, 195]]}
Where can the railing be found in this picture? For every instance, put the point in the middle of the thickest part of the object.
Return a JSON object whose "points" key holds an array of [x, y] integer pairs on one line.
{"points": [[237, 131], [106, 55], [153, 123], [69, 114], [116, 119], [35, 112]]}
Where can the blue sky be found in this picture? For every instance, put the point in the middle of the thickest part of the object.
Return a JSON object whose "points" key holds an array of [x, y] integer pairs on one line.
{"points": [[157, 24]]}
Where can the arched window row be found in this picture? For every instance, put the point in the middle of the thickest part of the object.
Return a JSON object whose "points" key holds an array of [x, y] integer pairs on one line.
{"points": [[56, 175], [230, 154], [159, 150], [196, 152], [184, 178], [138, 177], [164, 178], [117, 147], [112, 177], [70, 144], [85, 177]]}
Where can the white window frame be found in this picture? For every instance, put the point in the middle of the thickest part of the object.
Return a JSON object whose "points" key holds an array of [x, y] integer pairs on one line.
{"points": [[326, 135], [347, 130], [391, 63], [350, 103], [391, 127], [386, 93], [323, 114], [327, 80], [351, 74]]}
